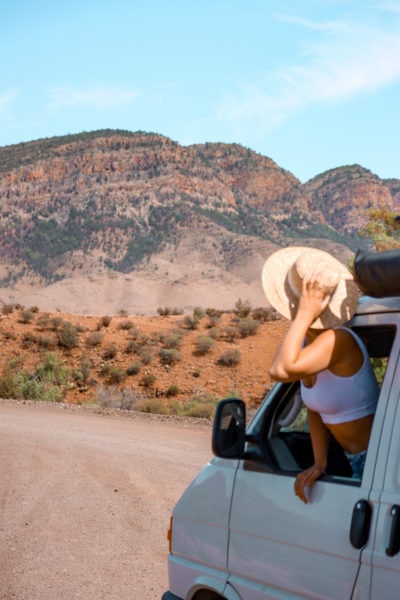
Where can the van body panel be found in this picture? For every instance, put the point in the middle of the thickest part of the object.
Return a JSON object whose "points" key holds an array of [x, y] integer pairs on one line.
{"points": [[385, 581], [187, 577], [201, 528], [279, 541]]}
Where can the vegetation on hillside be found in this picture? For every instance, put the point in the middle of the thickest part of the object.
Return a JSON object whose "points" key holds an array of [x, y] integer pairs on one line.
{"points": [[114, 364]]}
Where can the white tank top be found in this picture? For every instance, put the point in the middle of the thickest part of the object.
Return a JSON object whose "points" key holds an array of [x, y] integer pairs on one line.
{"points": [[339, 399]]}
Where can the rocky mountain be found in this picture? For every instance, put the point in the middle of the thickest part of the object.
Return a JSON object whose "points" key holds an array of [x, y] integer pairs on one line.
{"points": [[110, 220]]}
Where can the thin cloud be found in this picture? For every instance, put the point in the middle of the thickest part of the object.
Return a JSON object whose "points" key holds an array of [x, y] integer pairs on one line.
{"points": [[335, 69], [99, 97], [7, 97]]}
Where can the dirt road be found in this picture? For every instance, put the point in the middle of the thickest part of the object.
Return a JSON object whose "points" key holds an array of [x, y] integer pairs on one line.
{"points": [[85, 501]]}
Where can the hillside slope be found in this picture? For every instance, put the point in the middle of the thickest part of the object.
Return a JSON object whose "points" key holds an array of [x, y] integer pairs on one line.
{"points": [[112, 220]]}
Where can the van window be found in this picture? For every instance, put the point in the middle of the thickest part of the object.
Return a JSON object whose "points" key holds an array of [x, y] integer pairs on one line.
{"points": [[285, 429]]}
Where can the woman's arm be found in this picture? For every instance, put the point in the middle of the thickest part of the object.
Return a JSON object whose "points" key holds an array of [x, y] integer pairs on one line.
{"points": [[293, 361], [320, 443]]}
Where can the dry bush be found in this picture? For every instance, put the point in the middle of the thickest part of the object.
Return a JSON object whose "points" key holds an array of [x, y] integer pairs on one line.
{"points": [[110, 352], [47, 341], [116, 375], [230, 333], [26, 316], [103, 322], [148, 380], [28, 339], [67, 335], [134, 368], [7, 309], [198, 312], [264, 314], [229, 358], [248, 327], [242, 308], [132, 347], [171, 340], [126, 325], [146, 355], [112, 397], [43, 321], [203, 345], [155, 406], [94, 339], [172, 391], [169, 356], [190, 322]]}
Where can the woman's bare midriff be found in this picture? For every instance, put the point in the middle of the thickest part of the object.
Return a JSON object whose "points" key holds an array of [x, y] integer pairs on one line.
{"points": [[353, 436]]}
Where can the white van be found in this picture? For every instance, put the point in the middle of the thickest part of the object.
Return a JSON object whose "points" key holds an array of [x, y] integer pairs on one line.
{"points": [[240, 533]]}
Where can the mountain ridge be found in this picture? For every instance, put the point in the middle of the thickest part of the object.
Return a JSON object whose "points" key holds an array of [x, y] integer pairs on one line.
{"points": [[159, 223]]}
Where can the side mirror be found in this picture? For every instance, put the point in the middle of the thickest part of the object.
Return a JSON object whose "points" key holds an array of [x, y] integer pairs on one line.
{"points": [[229, 431]]}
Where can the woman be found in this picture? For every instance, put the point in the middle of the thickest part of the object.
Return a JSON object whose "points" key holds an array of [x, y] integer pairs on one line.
{"points": [[338, 385]]}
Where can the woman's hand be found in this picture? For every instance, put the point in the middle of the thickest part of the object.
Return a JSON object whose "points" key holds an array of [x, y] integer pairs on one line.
{"points": [[306, 479], [315, 295]]}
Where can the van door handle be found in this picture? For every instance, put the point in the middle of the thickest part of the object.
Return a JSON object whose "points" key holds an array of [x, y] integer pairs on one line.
{"points": [[360, 523], [394, 538]]}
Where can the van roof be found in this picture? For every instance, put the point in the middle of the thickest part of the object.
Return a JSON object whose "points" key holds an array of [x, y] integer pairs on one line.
{"points": [[368, 305]]}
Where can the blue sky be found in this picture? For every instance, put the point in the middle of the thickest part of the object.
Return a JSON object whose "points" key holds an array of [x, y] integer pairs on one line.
{"points": [[312, 84]]}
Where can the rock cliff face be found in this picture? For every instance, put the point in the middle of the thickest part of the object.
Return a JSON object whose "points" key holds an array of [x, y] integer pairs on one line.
{"points": [[137, 210]]}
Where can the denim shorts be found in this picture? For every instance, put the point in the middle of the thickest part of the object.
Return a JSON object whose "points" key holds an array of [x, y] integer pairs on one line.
{"points": [[357, 463]]}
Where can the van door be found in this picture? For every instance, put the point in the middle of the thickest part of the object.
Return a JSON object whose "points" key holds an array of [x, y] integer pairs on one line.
{"points": [[385, 580], [278, 545]]}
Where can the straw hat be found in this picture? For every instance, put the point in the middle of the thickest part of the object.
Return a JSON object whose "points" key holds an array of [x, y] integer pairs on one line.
{"points": [[282, 277]]}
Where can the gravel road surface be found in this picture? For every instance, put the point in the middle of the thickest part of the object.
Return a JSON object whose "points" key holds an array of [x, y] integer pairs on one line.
{"points": [[85, 500]]}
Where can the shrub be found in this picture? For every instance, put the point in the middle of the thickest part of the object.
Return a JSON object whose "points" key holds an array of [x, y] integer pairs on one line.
{"points": [[7, 309], [164, 312], [132, 347], [200, 406], [56, 322], [148, 380], [110, 352], [104, 322], [212, 321], [203, 345], [134, 368], [172, 340], [146, 355], [46, 383], [85, 368], [112, 397], [264, 314], [67, 335], [26, 316], [43, 321], [47, 341], [95, 338], [126, 325], [173, 390], [169, 356], [242, 308], [229, 358], [198, 313], [29, 338], [154, 406], [231, 333], [248, 327], [190, 322], [116, 375], [215, 333], [213, 312]]}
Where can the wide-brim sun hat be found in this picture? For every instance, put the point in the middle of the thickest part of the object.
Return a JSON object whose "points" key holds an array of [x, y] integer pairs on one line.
{"points": [[282, 277]]}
